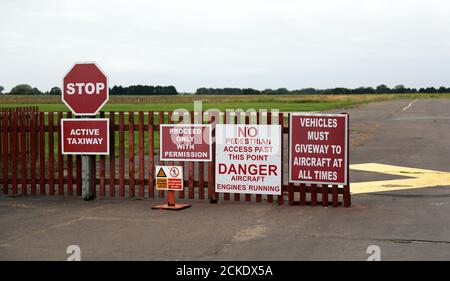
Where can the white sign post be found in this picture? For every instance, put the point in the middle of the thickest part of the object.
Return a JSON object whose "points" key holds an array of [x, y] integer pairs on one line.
{"points": [[248, 159]]}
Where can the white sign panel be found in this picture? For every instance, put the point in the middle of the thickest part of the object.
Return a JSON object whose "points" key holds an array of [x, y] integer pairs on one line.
{"points": [[248, 159], [169, 177]]}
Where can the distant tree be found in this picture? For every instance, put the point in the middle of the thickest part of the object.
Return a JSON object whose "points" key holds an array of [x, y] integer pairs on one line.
{"points": [[1, 89], [308, 91], [36, 91], [22, 89], [55, 91], [281, 91], [431, 90], [143, 90], [382, 89], [442, 90], [400, 89]]}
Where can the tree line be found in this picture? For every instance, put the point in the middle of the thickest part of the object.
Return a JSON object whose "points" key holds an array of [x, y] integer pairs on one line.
{"points": [[143, 90], [381, 89]]}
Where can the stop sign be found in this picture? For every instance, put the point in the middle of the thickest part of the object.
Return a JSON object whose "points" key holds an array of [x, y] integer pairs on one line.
{"points": [[85, 89]]}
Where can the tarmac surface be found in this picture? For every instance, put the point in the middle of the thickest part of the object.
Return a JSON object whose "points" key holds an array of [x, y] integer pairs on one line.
{"points": [[407, 224]]}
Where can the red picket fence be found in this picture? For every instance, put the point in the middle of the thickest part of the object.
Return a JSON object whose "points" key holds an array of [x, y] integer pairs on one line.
{"points": [[32, 162]]}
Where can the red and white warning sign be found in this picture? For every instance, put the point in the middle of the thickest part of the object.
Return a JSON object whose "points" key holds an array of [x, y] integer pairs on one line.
{"points": [[190, 142], [169, 177], [248, 159], [85, 136], [318, 148]]}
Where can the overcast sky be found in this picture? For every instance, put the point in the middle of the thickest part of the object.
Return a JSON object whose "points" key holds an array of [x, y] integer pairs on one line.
{"points": [[259, 44]]}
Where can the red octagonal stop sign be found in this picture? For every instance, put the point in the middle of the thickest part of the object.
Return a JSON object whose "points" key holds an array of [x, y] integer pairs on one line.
{"points": [[85, 89]]}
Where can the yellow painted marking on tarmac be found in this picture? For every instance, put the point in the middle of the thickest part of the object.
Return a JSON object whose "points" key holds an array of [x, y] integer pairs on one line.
{"points": [[419, 178], [364, 135]]}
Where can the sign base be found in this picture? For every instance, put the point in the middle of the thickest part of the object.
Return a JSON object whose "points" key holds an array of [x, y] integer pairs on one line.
{"points": [[171, 205], [175, 207]]}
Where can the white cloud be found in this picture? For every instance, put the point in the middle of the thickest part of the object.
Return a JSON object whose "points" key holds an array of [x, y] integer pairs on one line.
{"points": [[259, 44]]}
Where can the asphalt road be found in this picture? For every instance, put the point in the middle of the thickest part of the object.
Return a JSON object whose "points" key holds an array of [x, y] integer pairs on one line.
{"points": [[409, 224]]}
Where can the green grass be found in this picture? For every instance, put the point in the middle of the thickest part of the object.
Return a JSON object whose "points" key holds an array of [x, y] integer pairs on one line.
{"points": [[169, 103], [222, 103], [306, 106]]}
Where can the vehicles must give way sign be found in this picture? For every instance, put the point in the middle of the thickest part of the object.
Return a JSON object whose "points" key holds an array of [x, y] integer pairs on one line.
{"points": [[318, 148]]}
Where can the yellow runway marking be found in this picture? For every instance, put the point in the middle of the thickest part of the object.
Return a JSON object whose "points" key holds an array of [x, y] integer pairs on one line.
{"points": [[419, 178]]}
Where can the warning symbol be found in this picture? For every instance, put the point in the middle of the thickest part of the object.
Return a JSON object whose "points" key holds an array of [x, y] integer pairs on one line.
{"points": [[161, 173], [174, 172], [169, 177]]}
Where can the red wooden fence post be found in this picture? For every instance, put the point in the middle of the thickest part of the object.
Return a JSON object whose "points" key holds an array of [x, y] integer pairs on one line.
{"points": [[258, 122], [60, 158], [313, 194], [160, 121], [347, 197], [291, 191], [131, 154], [302, 194], [201, 166], [51, 159], [191, 165], [41, 153], [78, 175], [33, 152], [151, 156], [269, 121], [69, 168], [5, 151], [112, 155], [141, 154], [325, 195], [248, 197], [211, 166], [121, 155], [23, 152], [335, 196], [181, 193], [102, 172], [14, 151], [237, 196]]}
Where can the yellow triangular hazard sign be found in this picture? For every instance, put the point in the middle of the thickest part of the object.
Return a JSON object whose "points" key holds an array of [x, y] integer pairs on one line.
{"points": [[161, 173]]}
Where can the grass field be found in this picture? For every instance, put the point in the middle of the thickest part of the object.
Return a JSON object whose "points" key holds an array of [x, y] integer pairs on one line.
{"points": [[168, 103]]}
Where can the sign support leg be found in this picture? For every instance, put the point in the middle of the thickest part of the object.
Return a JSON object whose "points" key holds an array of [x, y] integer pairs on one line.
{"points": [[171, 205], [171, 198], [88, 177]]}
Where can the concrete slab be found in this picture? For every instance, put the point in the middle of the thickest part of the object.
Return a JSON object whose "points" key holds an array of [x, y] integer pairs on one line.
{"points": [[405, 224]]}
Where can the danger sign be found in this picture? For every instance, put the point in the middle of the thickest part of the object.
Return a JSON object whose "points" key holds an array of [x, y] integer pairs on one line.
{"points": [[169, 177], [85, 136], [248, 159], [185, 142], [318, 148]]}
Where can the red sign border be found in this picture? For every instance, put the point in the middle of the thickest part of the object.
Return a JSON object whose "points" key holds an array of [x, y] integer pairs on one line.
{"points": [[346, 176], [183, 159], [84, 120], [107, 89]]}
